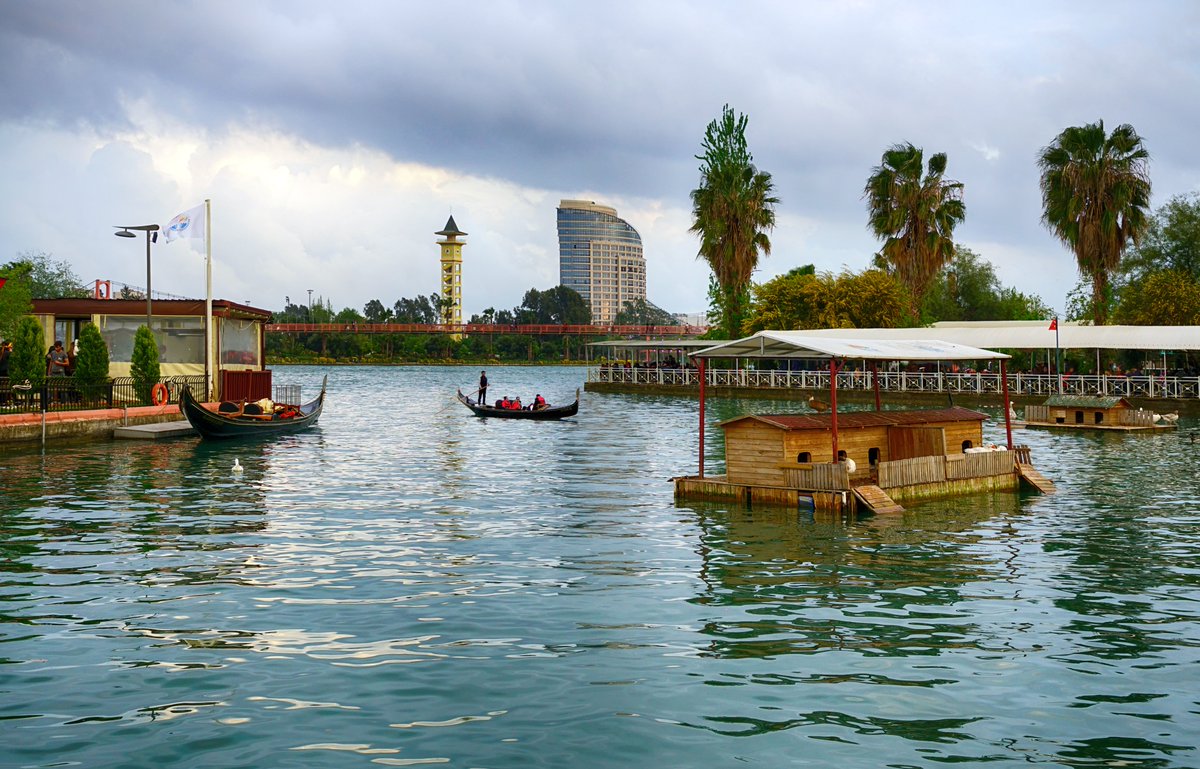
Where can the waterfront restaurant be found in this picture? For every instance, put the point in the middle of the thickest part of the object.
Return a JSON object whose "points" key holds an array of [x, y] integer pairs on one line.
{"points": [[814, 458], [179, 328]]}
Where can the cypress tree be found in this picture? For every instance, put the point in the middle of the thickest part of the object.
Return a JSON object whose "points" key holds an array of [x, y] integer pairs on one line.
{"points": [[144, 366], [91, 365], [28, 360]]}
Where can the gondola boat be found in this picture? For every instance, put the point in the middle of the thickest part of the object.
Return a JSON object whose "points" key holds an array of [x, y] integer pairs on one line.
{"points": [[239, 424], [546, 414]]}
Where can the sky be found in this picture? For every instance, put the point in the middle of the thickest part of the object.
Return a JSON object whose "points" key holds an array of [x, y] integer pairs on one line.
{"points": [[335, 139]]}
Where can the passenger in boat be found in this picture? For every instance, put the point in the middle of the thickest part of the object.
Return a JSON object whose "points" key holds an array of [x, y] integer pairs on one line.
{"points": [[504, 403], [539, 402], [516, 405]]}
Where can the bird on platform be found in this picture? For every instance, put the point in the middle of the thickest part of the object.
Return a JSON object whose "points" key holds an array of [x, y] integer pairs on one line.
{"points": [[1171, 418], [237, 467], [817, 405]]}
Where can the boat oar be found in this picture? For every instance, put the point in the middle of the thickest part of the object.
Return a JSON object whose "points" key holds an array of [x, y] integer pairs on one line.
{"points": [[452, 405]]}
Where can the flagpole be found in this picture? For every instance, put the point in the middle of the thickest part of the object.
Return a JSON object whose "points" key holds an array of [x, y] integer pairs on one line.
{"points": [[208, 316], [1057, 356]]}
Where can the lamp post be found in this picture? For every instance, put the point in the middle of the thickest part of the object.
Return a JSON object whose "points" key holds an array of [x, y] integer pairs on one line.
{"points": [[310, 305], [126, 232]]}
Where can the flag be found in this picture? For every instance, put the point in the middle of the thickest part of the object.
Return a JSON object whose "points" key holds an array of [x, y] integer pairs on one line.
{"points": [[189, 224], [1053, 325]]}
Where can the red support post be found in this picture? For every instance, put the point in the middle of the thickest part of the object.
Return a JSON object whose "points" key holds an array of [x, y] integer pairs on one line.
{"points": [[1007, 405], [875, 384], [700, 370], [833, 404]]}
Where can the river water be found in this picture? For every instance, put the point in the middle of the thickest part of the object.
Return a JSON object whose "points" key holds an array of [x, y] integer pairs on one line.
{"points": [[409, 585]]}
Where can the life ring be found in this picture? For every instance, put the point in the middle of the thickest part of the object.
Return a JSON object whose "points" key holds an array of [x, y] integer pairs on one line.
{"points": [[159, 394]]}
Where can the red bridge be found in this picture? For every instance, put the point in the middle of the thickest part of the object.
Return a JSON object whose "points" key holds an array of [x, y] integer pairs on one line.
{"points": [[535, 329]]}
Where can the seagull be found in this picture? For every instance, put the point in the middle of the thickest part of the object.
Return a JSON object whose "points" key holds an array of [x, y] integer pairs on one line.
{"points": [[817, 405], [237, 467], [1171, 418]]}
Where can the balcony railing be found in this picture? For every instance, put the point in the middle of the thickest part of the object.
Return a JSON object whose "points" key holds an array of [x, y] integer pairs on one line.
{"points": [[982, 383]]}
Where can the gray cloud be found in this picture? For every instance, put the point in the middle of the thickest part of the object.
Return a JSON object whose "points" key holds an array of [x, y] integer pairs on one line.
{"points": [[613, 99]]}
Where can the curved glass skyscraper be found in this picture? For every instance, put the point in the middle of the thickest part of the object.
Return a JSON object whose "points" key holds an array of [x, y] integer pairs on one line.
{"points": [[600, 256]]}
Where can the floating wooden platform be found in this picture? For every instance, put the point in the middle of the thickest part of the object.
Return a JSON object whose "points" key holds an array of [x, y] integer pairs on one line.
{"points": [[152, 432], [876, 499], [1108, 428], [1029, 474]]}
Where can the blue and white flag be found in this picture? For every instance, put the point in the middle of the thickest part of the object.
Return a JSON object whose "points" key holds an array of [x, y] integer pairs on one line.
{"points": [[189, 224]]}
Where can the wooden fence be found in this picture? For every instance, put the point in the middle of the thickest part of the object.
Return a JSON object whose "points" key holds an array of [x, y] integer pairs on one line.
{"points": [[818, 477], [1120, 417], [938, 469]]}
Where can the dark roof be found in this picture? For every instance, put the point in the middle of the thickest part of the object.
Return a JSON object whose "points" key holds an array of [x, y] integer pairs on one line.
{"points": [[450, 229], [160, 307], [1088, 401], [849, 420]]}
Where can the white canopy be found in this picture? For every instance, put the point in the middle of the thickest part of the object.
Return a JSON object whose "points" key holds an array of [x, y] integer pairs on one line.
{"points": [[1033, 335], [804, 344]]}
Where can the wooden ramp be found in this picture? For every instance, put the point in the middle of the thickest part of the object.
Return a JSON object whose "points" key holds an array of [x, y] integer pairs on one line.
{"points": [[1030, 475], [877, 500]]}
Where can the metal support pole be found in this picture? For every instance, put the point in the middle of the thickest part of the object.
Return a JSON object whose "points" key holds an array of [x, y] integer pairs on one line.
{"points": [[833, 367], [1007, 405]]}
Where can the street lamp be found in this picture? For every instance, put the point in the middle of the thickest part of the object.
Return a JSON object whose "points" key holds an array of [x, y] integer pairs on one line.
{"points": [[310, 305], [126, 232]]}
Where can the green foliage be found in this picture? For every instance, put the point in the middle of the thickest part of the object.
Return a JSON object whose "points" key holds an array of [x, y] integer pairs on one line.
{"points": [[732, 210], [915, 215], [375, 312], [45, 277], [144, 365], [423, 309], [968, 289], [558, 306], [1163, 298], [640, 312], [1095, 195], [1171, 241], [804, 300], [91, 364], [28, 359], [15, 301]]}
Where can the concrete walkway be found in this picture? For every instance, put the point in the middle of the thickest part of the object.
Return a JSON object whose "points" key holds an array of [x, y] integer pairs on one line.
{"points": [[98, 423]]}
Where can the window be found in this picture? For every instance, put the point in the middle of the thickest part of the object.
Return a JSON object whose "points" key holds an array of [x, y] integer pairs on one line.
{"points": [[804, 457]]}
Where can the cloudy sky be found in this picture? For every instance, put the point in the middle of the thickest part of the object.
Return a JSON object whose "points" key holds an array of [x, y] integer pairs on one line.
{"points": [[334, 139]]}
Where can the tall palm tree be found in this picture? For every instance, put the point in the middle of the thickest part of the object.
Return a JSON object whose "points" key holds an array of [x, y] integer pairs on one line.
{"points": [[915, 215], [1095, 199], [732, 210]]}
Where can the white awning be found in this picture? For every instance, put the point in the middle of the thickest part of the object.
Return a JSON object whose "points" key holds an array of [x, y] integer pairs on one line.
{"points": [[803, 344], [1033, 335]]}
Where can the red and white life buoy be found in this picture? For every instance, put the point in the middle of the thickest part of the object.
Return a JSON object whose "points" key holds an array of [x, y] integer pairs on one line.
{"points": [[159, 394], [103, 290]]}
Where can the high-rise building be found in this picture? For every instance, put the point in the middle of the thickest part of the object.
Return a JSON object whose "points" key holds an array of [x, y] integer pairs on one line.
{"points": [[451, 272], [600, 256]]}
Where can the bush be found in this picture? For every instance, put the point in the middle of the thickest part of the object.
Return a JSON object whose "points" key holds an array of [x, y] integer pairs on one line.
{"points": [[91, 365], [28, 360], [144, 366]]}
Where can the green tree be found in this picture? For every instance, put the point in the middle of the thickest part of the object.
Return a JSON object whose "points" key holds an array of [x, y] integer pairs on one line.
{"points": [[805, 300], [144, 365], [375, 312], [1163, 298], [559, 305], [28, 359], [91, 365], [968, 289], [15, 302], [914, 209], [1095, 196], [640, 312], [732, 211], [1171, 241], [47, 278]]}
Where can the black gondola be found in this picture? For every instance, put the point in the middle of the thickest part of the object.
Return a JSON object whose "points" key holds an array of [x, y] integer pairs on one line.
{"points": [[546, 414], [214, 424]]}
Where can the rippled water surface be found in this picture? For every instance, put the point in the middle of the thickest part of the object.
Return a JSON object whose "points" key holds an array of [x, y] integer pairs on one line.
{"points": [[409, 585]]}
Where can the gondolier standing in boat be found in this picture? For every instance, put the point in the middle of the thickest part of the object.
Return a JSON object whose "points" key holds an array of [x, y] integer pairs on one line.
{"points": [[482, 388]]}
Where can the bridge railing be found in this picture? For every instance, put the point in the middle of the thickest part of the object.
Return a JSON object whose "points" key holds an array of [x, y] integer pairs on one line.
{"points": [[527, 329], [981, 383]]}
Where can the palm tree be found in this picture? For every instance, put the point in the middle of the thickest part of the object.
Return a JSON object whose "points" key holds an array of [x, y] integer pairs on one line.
{"points": [[1095, 198], [732, 210], [915, 216]]}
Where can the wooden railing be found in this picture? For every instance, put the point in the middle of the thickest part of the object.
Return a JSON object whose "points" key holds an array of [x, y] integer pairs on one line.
{"points": [[818, 477], [954, 467], [1122, 417]]}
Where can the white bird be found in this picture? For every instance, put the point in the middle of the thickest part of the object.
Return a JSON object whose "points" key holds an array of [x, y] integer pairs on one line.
{"points": [[237, 467], [1171, 418]]}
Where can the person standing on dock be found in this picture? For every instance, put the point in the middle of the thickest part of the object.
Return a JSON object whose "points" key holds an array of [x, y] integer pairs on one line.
{"points": [[482, 388]]}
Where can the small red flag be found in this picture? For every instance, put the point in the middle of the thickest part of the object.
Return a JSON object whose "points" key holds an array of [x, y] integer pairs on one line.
{"points": [[1053, 325], [3, 281]]}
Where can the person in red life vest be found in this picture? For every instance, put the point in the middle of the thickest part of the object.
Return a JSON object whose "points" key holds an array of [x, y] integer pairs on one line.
{"points": [[539, 402], [505, 403], [516, 405]]}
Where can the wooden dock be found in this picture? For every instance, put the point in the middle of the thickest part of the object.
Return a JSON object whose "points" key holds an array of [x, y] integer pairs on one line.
{"points": [[1029, 474], [156, 431], [876, 500]]}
